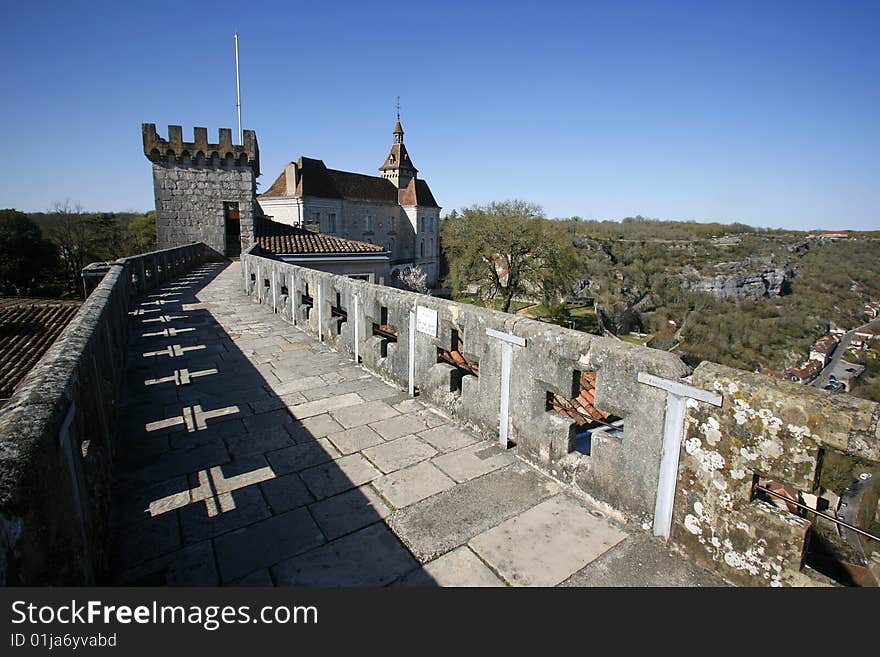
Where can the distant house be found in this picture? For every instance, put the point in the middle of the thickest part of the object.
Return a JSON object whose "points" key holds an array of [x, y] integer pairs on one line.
{"points": [[872, 309], [823, 348], [330, 253], [863, 336], [804, 374]]}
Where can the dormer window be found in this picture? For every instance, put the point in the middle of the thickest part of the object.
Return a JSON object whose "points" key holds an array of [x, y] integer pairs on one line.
{"points": [[391, 159]]}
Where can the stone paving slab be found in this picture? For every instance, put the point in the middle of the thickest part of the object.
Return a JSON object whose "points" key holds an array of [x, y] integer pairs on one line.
{"points": [[445, 521], [356, 415], [349, 511], [643, 561], [399, 453], [355, 440], [460, 567], [339, 475], [300, 457], [546, 544], [266, 543], [192, 566], [401, 425], [473, 461], [286, 493], [370, 557], [412, 484], [447, 437]]}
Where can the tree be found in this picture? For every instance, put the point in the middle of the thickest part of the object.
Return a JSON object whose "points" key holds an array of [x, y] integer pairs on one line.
{"points": [[414, 279], [25, 257], [508, 249], [142, 233]]}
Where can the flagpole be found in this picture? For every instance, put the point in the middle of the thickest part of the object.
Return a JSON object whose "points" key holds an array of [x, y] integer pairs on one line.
{"points": [[237, 91]]}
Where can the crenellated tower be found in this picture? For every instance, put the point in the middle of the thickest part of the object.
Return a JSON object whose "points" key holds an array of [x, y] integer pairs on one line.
{"points": [[205, 192]]}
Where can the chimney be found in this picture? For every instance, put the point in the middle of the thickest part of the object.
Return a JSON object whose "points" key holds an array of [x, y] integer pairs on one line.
{"points": [[290, 178]]}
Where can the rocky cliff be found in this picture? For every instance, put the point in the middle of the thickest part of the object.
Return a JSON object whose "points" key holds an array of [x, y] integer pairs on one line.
{"points": [[747, 280]]}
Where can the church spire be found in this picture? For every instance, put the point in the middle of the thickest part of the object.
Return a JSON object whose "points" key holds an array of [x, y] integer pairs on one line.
{"points": [[398, 167], [398, 129]]}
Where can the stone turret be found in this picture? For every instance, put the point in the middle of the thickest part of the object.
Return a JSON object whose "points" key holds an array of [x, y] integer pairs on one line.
{"points": [[205, 192], [160, 150]]}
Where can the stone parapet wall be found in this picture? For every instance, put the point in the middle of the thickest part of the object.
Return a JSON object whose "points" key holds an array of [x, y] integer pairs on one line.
{"points": [[56, 447], [763, 427], [620, 471]]}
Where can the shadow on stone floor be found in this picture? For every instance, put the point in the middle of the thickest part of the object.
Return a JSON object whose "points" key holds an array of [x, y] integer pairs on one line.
{"points": [[218, 482]]}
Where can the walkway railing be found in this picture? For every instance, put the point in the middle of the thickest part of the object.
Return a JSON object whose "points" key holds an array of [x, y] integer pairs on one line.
{"points": [[56, 449]]}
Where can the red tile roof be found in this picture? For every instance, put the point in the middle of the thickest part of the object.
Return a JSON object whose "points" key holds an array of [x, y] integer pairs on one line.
{"points": [[279, 238], [315, 179], [398, 158], [28, 327], [417, 193], [582, 408]]}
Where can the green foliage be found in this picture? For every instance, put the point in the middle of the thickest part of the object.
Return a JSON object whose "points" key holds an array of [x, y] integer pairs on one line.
{"points": [[27, 260], [142, 233], [508, 249]]}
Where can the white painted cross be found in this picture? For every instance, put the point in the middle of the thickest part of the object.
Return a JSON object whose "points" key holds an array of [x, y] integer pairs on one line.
{"points": [[180, 377], [159, 302], [677, 395], [174, 350], [164, 319], [193, 417], [507, 342], [167, 333], [274, 294], [214, 489]]}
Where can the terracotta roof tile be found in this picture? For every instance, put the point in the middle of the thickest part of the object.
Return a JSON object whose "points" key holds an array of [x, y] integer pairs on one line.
{"points": [[417, 193], [278, 238], [28, 327]]}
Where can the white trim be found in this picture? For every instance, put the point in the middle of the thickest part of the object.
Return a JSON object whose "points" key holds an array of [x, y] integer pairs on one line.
{"points": [[507, 337], [677, 395]]}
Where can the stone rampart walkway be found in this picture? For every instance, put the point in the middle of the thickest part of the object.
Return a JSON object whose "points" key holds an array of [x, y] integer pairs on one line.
{"points": [[251, 454]]}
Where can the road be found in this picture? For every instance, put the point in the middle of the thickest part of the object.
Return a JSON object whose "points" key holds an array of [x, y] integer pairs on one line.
{"points": [[822, 380]]}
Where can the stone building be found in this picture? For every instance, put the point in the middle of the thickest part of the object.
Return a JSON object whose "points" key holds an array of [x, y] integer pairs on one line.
{"points": [[204, 191], [395, 209]]}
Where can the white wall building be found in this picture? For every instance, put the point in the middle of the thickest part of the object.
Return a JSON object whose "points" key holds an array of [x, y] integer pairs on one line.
{"points": [[395, 210]]}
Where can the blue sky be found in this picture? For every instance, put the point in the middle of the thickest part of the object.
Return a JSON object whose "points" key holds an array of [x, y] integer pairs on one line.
{"points": [[765, 112]]}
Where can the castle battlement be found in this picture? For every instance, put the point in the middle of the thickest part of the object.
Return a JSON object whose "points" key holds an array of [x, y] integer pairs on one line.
{"points": [[158, 149]]}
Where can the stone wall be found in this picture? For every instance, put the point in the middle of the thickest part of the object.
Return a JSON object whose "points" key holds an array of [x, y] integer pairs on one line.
{"points": [[193, 180], [767, 428], [620, 471], [763, 426], [56, 448]]}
